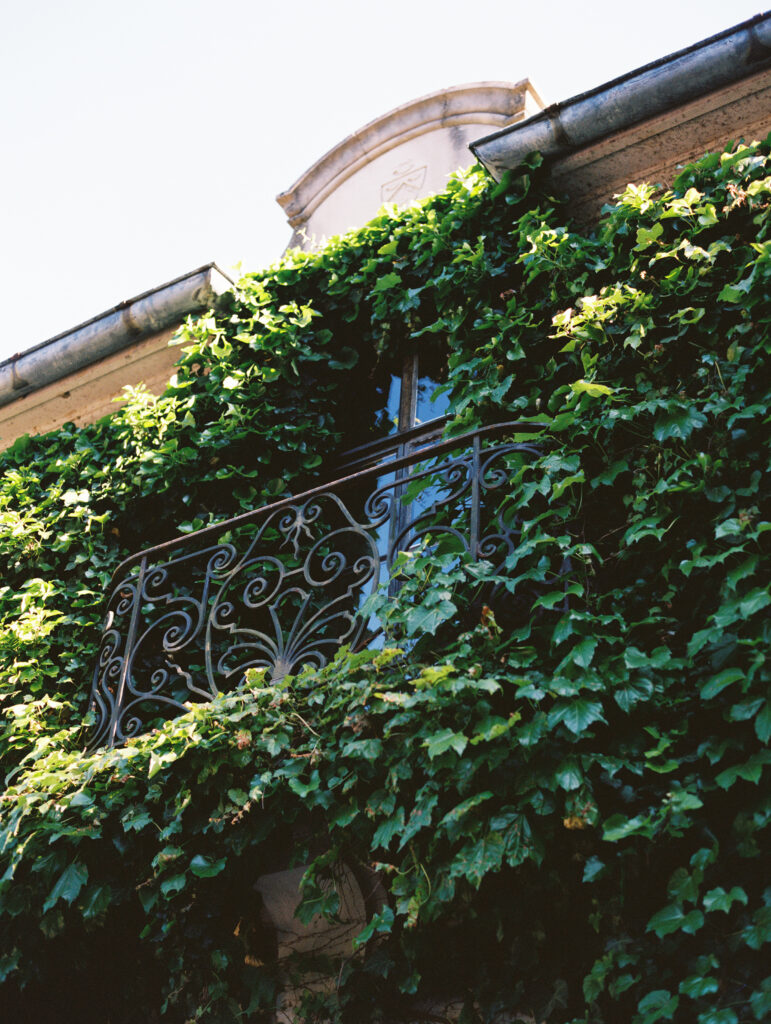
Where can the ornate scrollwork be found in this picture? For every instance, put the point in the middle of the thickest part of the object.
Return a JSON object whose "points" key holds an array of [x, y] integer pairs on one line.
{"points": [[187, 619]]}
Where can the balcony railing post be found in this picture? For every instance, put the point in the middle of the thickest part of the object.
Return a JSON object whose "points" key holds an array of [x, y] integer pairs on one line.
{"points": [[476, 459], [128, 651]]}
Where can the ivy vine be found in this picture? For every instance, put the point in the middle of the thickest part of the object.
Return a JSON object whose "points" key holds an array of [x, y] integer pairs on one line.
{"points": [[568, 808]]}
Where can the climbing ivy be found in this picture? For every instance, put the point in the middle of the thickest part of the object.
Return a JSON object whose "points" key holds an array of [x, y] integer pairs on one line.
{"points": [[568, 809]]}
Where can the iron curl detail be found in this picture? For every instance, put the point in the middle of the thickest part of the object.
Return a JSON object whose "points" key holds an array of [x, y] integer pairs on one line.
{"points": [[186, 619]]}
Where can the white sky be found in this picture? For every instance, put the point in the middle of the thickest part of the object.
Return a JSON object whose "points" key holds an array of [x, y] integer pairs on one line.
{"points": [[141, 139]]}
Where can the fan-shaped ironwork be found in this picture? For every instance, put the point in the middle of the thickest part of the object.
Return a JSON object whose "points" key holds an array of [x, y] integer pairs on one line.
{"points": [[283, 586]]}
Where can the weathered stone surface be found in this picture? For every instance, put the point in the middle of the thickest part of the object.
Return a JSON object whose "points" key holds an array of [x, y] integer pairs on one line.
{"points": [[403, 155]]}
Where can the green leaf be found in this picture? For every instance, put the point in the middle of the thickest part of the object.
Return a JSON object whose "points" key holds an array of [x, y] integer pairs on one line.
{"points": [[647, 236], [67, 886], [569, 776], [583, 652], [733, 293], [673, 918], [304, 789], [759, 932], [475, 860], [97, 900], [763, 723], [380, 924], [618, 826], [678, 423], [443, 741], [9, 963], [577, 714], [173, 884], [683, 886], [135, 819], [657, 1005], [427, 619], [385, 282], [388, 829], [206, 867], [452, 819], [725, 1016], [157, 761], [631, 693], [753, 602], [594, 390], [760, 1000], [697, 986], [420, 817], [593, 868], [719, 899], [720, 681]]}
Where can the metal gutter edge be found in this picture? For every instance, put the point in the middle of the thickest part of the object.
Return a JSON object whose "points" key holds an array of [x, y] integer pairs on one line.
{"points": [[110, 332], [666, 83]]}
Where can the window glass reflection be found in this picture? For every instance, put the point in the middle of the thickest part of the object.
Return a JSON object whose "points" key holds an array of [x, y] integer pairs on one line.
{"points": [[430, 405]]}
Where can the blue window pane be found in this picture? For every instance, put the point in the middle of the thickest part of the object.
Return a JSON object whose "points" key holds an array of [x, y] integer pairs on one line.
{"points": [[430, 405], [387, 414]]}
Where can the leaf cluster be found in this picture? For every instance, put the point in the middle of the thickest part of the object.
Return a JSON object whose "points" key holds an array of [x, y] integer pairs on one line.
{"points": [[560, 773]]}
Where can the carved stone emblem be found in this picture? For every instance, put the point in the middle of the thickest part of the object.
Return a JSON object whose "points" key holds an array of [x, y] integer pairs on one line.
{"points": [[404, 184]]}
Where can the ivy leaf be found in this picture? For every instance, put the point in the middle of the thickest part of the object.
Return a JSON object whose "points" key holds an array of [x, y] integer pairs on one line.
{"points": [[759, 932], [678, 423], [657, 1005], [719, 899], [618, 826], [380, 924], [577, 714], [174, 884], [68, 885], [206, 867], [646, 527], [758, 598], [583, 652], [443, 741], [420, 817], [478, 859], [425, 619], [763, 723], [385, 282], [569, 776], [136, 818], [97, 901], [724, 1016], [593, 868], [720, 681], [631, 693], [683, 886], [673, 918], [588, 387], [760, 1000], [735, 292], [697, 986], [647, 236], [388, 829]]}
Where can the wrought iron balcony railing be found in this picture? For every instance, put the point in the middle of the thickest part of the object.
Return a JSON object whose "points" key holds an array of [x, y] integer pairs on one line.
{"points": [[284, 586]]}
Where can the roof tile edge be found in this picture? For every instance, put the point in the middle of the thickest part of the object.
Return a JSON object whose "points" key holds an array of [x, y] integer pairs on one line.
{"points": [[636, 96], [111, 331]]}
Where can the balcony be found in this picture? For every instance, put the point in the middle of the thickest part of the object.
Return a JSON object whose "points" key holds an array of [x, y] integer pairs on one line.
{"points": [[285, 585]]}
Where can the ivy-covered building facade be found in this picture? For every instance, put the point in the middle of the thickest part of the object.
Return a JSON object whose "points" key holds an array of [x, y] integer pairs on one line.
{"points": [[406, 658]]}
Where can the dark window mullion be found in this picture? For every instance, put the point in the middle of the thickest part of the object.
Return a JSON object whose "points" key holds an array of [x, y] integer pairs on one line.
{"points": [[408, 402]]}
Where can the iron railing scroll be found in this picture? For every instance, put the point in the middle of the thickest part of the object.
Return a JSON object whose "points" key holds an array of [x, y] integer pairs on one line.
{"points": [[283, 586]]}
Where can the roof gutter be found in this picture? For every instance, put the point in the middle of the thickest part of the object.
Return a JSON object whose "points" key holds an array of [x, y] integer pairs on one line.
{"points": [[110, 332], [666, 83]]}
